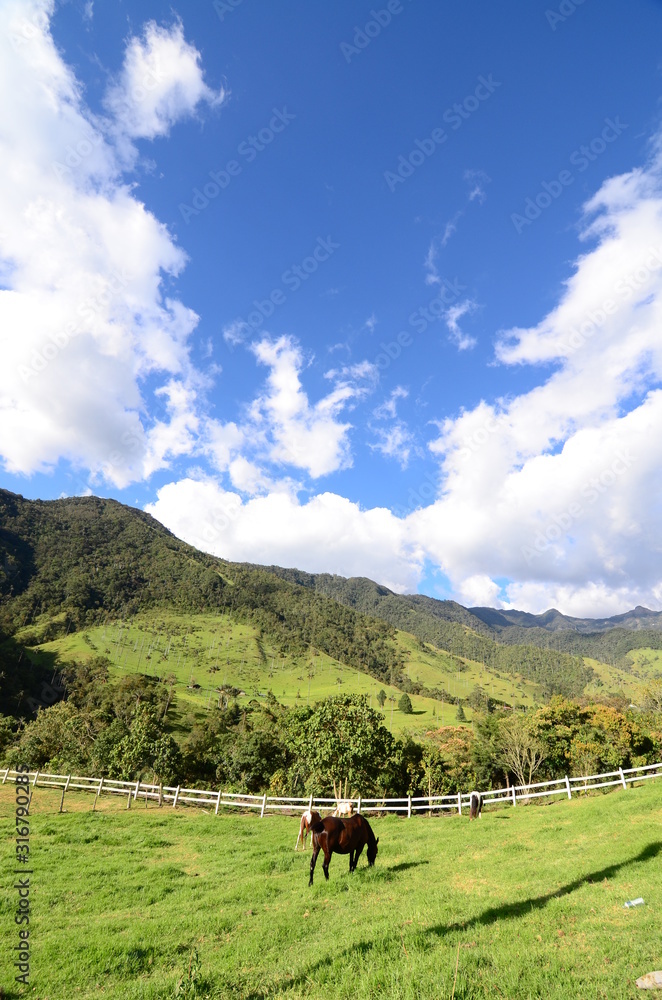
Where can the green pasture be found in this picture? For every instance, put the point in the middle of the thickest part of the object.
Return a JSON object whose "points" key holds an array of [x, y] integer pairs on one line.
{"points": [[611, 680], [646, 664], [204, 652], [459, 676], [161, 903]]}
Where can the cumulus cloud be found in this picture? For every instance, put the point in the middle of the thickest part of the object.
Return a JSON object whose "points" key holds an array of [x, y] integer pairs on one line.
{"points": [[556, 488], [90, 342], [326, 534], [298, 433], [161, 82]]}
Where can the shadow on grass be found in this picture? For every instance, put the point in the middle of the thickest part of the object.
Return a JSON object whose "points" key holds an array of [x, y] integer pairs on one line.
{"points": [[404, 865], [509, 910], [505, 912]]}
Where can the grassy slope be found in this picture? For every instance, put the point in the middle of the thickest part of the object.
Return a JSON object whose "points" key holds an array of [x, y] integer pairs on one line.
{"points": [[528, 901], [210, 650]]}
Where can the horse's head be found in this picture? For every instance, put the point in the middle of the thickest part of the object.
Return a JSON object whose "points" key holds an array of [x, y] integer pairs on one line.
{"points": [[372, 852]]}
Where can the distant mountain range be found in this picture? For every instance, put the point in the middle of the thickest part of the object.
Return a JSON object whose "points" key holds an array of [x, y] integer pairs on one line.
{"points": [[506, 626], [554, 621]]}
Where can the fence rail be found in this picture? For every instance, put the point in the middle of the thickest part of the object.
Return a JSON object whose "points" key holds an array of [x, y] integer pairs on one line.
{"points": [[174, 796]]}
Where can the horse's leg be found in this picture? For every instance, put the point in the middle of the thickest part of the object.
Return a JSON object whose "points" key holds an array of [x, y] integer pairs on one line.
{"points": [[352, 866], [357, 855], [327, 859], [316, 850]]}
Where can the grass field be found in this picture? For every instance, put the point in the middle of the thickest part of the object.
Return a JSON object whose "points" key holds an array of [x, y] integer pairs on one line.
{"points": [[528, 902], [205, 651]]}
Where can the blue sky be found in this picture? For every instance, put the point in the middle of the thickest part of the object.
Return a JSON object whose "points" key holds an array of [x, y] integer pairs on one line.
{"points": [[370, 290]]}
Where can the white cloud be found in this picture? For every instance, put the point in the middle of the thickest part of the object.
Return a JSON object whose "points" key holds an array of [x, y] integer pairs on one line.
{"points": [[161, 82], [479, 591], [327, 534], [83, 320], [298, 433], [395, 441], [557, 488], [453, 315], [389, 407]]}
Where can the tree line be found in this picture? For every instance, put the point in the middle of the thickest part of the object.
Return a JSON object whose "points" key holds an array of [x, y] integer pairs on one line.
{"points": [[123, 729]]}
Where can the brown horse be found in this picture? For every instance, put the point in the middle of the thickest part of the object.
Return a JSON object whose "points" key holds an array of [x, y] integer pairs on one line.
{"points": [[344, 836]]}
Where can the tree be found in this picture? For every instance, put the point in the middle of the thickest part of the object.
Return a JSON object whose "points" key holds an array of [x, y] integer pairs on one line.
{"points": [[447, 760], [405, 705], [522, 751], [381, 698], [460, 714], [145, 750], [341, 739]]}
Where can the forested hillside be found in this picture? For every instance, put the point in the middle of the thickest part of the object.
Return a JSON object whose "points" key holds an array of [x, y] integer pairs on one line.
{"points": [[448, 625], [65, 564], [606, 639]]}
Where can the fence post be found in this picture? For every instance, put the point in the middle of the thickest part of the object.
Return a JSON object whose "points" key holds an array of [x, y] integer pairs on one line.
{"points": [[620, 771], [97, 795], [218, 802], [264, 802], [135, 794], [174, 803], [514, 799], [5, 777], [160, 794], [128, 800], [358, 806], [567, 785], [63, 791], [409, 807], [310, 802], [459, 803]]}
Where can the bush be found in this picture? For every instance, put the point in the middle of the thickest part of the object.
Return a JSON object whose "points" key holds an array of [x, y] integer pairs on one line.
{"points": [[405, 705]]}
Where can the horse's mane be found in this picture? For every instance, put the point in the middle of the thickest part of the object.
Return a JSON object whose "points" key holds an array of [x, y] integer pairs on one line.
{"points": [[371, 836]]}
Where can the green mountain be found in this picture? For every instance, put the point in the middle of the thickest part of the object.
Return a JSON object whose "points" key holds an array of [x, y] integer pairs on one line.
{"points": [[462, 630], [71, 564]]}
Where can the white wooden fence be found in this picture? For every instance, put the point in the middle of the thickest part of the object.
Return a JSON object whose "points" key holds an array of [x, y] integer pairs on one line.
{"points": [[173, 796]]}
